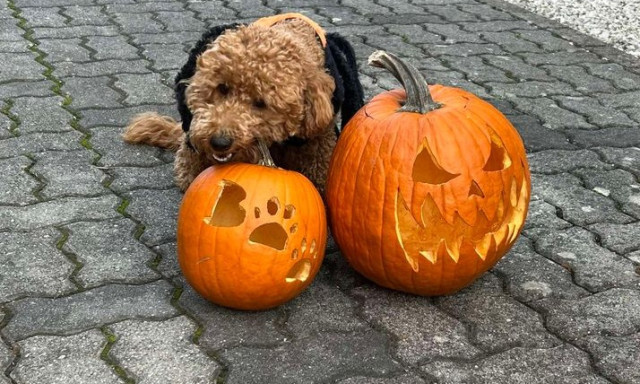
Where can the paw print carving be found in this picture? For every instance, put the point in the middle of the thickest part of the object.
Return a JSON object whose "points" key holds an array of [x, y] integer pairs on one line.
{"points": [[273, 234]]}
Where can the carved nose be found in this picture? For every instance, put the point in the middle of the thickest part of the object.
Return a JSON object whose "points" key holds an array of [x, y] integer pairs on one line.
{"points": [[221, 143]]}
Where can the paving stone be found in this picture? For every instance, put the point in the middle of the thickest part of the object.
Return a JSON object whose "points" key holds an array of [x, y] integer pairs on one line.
{"points": [[58, 50], [531, 89], [616, 357], [579, 78], [137, 23], [311, 359], [58, 212], [594, 111], [251, 9], [463, 49], [175, 359], [180, 37], [536, 137], [168, 265], [144, 89], [408, 50], [6, 356], [109, 253], [508, 324], [112, 47], [40, 142], [452, 33], [450, 13], [95, 91], [64, 359], [561, 58], [89, 309], [415, 34], [9, 31], [562, 364], [516, 68], [86, 15], [165, 56], [530, 276], [30, 264], [401, 7], [226, 328], [406, 317], [158, 211], [556, 161], [403, 379], [547, 40], [510, 42], [402, 19], [74, 31], [14, 46], [120, 117], [497, 26], [579, 38], [50, 3], [339, 16], [151, 6], [107, 141], [594, 268], [613, 137], [5, 127], [68, 173], [20, 66], [16, 183], [626, 99], [485, 12], [43, 17], [552, 115], [543, 215], [627, 158], [128, 178], [25, 88], [366, 7], [621, 238], [615, 73], [41, 114], [615, 312], [100, 68], [215, 10], [619, 185], [322, 307]]}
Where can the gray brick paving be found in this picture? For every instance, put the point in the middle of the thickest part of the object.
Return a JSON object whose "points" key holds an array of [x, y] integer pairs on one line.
{"points": [[175, 359], [90, 288], [115, 257], [64, 359]]}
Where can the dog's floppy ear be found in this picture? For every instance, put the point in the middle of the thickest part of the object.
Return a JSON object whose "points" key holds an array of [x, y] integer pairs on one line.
{"points": [[189, 69], [318, 108], [340, 60]]}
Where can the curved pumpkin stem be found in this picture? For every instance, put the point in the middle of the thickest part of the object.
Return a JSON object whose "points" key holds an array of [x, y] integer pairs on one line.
{"points": [[418, 97], [266, 158]]}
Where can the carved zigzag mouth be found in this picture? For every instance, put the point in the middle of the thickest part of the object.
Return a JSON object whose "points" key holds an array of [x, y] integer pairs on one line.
{"points": [[434, 238]]}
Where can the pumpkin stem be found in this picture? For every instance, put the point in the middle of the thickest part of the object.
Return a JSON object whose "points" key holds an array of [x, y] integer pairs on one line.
{"points": [[265, 159], [418, 97]]}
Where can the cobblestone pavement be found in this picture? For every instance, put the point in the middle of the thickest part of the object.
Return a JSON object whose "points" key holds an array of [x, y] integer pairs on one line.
{"points": [[90, 291]]}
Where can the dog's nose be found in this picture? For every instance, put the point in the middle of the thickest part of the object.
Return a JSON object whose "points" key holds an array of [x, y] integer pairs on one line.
{"points": [[221, 143]]}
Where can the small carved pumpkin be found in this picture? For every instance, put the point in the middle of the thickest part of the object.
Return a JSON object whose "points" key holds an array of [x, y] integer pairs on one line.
{"points": [[251, 236], [427, 188]]}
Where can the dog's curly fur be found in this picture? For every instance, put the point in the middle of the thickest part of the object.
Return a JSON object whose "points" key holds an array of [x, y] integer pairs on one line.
{"points": [[254, 82]]}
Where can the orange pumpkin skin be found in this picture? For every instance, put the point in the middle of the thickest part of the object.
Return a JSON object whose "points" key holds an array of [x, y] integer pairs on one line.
{"points": [[426, 203], [249, 236]]}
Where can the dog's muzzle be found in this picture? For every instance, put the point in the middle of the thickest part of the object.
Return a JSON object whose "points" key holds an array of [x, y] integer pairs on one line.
{"points": [[221, 144]]}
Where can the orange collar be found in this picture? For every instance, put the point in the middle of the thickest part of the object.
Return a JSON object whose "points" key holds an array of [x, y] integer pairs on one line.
{"points": [[271, 20]]}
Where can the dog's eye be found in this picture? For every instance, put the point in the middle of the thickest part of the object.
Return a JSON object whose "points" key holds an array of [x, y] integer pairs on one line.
{"points": [[223, 89], [260, 104]]}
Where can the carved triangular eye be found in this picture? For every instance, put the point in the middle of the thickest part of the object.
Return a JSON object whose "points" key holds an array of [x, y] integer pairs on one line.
{"points": [[427, 170], [498, 158]]}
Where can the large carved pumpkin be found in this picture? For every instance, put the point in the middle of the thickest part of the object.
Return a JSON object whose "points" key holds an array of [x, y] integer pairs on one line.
{"points": [[427, 188], [251, 236]]}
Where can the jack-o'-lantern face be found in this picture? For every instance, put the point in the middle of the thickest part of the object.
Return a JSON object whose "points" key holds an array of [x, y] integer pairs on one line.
{"points": [[476, 206], [428, 186]]}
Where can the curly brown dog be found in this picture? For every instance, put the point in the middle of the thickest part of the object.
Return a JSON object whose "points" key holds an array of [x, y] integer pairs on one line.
{"points": [[280, 80]]}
